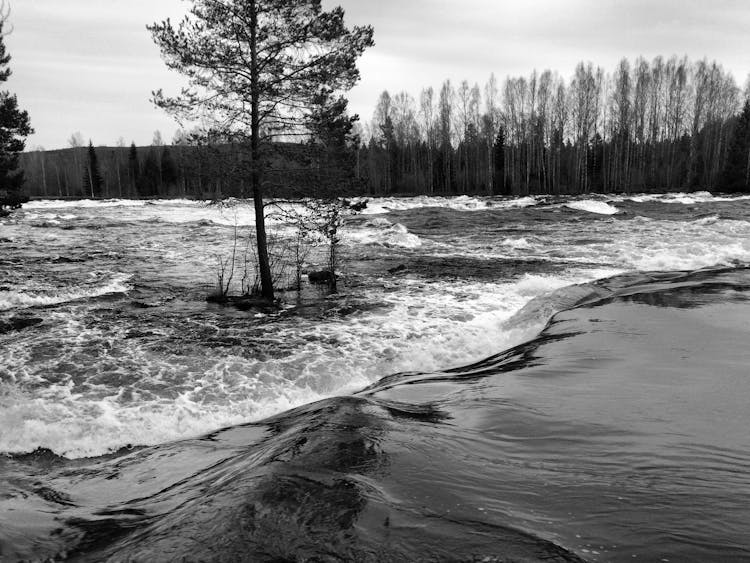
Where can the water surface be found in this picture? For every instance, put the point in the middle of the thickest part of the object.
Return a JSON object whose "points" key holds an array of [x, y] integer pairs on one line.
{"points": [[439, 415]]}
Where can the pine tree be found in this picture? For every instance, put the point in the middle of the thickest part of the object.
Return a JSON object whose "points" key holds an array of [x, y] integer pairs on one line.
{"points": [[92, 177], [736, 176], [14, 128], [253, 67]]}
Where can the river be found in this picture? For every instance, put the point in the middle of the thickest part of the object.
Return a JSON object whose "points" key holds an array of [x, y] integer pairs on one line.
{"points": [[527, 379]]}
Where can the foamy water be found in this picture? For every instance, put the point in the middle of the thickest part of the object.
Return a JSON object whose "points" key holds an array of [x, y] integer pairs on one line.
{"points": [[592, 206], [125, 351], [115, 283], [175, 393]]}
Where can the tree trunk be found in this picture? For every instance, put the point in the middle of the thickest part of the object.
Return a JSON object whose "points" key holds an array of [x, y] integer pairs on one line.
{"points": [[264, 267]]}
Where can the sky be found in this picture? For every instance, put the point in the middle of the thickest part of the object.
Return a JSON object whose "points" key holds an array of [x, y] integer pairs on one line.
{"points": [[90, 66]]}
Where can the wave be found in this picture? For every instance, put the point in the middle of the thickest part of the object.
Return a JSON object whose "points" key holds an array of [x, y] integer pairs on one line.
{"points": [[114, 202], [10, 299], [304, 362], [380, 205], [57, 217], [324, 478], [702, 243], [520, 243], [485, 462], [382, 232], [593, 206], [43, 204], [188, 210], [691, 198]]}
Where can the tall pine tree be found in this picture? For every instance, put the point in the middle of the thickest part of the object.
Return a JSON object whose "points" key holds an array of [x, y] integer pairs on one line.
{"points": [[254, 67], [14, 128]]}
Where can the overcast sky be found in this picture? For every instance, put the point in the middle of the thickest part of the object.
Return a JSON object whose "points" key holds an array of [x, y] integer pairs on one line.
{"points": [[90, 65]]}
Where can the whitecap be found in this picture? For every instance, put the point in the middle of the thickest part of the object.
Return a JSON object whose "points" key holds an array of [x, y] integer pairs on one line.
{"points": [[448, 326], [10, 299], [517, 243], [383, 233], [592, 206]]}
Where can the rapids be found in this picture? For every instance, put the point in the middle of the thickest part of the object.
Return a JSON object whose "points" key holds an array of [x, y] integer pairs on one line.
{"points": [[533, 378]]}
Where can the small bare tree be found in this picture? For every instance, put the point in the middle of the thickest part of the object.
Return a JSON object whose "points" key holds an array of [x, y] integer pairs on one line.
{"points": [[225, 268]]}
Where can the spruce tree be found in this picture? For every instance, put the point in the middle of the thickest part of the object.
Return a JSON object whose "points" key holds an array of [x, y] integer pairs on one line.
{"points": [[332, 146], [14, 128], [332, 150], [736, 176], [134, 170], [169, 174], [92, 176]]}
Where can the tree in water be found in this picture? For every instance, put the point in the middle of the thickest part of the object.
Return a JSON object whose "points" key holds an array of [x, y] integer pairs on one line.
{"points": [[333, 147], [92, 176], [14, 128], [254, 67]]}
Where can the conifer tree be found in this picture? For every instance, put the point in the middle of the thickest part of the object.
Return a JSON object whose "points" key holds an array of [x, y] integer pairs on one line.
{"points": [[332, 144], [92, 177], [253, 67], [14, 128], [736, 175], [150, 181], [168, 168], [133, 168], [333, 147]]}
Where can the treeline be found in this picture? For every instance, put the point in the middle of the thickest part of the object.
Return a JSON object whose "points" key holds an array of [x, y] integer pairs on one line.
{"points": [[648, 126], [192, 167], [203, 171], [659, 125]]}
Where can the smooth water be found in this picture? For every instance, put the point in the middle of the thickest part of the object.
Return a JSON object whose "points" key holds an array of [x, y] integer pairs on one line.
{"points": [[619, 432]]}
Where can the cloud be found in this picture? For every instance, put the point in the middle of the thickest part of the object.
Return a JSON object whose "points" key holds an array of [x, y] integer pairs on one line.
{"points": [[422, 43], [95, 57]]}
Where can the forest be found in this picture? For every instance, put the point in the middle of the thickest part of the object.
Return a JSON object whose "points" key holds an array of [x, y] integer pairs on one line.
{"points": [[664, 125]]}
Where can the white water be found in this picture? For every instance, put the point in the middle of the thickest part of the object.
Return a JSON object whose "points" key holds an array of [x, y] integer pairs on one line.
{"points": [[592, 206], [448, 327], [460, 203], [116, 283], [85, 382]]}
